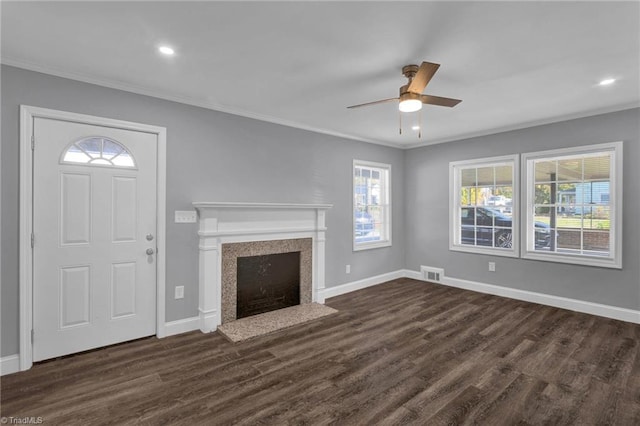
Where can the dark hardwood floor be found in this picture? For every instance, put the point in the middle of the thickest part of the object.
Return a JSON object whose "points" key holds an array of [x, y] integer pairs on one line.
{"points": [[404, 352]]}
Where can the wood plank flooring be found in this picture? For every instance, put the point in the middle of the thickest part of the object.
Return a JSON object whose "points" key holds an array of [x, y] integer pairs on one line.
{"points": [[402, 353]]}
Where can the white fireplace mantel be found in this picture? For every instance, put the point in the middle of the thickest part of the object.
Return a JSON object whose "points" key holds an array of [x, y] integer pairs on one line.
{"points": [[231, 222]]}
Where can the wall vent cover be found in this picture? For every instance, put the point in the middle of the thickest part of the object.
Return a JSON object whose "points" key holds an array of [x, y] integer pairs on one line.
{"points": [[432, 274]]}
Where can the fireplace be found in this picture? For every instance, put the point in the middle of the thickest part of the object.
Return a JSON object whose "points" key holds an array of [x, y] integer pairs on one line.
{"points": [[268, 259], [230, 232], [267, 283]]}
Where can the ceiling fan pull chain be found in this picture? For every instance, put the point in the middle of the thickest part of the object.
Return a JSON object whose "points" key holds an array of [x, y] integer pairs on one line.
{"points": [[420, 124], [400, 121]]}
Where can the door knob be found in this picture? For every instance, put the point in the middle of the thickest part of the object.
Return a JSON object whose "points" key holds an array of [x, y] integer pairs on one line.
{"points": [[149, 251]]}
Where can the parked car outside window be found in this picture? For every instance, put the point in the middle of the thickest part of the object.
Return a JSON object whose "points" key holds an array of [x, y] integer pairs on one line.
{"points": [[364, 223], [484, 226]]}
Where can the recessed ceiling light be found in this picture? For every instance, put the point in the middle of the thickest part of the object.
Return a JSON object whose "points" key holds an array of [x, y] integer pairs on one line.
{"points": [[166, 50], [415, 128], [607, 81]]}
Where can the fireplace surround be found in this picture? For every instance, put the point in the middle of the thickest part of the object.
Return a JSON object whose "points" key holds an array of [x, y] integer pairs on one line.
{"points": [[228, 230]]}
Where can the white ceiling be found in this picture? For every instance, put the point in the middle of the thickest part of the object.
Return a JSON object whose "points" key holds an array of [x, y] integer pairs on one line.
{"points": [[514, 64]]}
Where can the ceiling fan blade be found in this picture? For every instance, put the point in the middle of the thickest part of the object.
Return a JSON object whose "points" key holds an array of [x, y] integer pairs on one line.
{"points": [[373, 103], [437, 100], [422, 77]]}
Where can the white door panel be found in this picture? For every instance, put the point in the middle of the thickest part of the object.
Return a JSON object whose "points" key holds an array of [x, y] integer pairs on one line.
{"points": [[94, 284], [73, 301], [75, 200], [124, 210], [123, 289]]}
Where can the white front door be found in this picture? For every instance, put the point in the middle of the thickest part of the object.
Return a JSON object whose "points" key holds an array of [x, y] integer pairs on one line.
{"points": [[94, 227]]}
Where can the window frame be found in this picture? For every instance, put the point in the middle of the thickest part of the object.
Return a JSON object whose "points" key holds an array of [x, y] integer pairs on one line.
{"points": [[614, 260], [454, 205], [387, 223]]}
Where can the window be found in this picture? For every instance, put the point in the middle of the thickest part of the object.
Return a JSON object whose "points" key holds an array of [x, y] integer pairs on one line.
{"points": [[371, 205], [576, 194], [483, 206], [98, 151]]}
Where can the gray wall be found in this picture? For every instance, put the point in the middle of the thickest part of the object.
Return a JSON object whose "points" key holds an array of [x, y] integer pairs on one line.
{"points": [[427, 209], [211, 156], [214, 156]]}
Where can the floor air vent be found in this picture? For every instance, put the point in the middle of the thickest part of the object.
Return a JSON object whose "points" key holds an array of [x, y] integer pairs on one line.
{"points": [[432, 274]]}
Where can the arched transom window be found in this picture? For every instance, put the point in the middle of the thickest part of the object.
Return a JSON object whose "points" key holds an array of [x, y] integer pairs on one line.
{"points": [[98, 151]]}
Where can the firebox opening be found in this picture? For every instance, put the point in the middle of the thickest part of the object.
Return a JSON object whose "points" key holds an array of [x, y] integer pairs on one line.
{"points": [[267, 283]]}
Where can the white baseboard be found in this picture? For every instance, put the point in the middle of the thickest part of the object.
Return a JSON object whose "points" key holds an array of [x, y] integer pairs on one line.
{"points": [[360, 284], [193, 323], [181, 326], [9, 364], [407, 273], [190, 324], [607, 311]]}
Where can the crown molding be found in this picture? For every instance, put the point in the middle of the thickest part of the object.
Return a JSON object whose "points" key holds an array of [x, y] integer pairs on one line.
{"points": [[187, 100], [526, 125], [139, 90]]}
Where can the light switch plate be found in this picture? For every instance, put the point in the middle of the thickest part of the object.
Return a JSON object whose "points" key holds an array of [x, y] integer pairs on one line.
{"points": [[188, 216]]}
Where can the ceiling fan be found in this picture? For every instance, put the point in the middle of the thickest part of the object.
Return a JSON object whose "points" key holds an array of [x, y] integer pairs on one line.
{"points": [[411, 97]]}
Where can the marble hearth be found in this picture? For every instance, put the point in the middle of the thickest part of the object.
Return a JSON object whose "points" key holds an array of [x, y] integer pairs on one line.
{"points": [[231, 230]]}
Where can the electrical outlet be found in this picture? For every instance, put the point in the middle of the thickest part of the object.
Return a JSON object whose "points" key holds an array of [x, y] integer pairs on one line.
{"points": [[188, 216], [348, 269], [492, 266], [179, 292]]}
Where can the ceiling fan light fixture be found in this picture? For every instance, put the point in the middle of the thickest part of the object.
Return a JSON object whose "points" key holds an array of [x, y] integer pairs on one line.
{"points": [[410, 105], [166, 50], [410, 98]]}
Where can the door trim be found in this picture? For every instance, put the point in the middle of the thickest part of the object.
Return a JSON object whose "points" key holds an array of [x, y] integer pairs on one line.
{"points": [[27, 116]]}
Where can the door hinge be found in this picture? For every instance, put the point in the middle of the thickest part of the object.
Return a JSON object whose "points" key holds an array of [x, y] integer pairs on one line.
{"points": [[32, 335], [33, 142], [33, 239]]}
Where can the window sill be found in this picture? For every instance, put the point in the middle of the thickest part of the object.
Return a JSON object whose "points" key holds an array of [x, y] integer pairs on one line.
{"points": [[484, 250], [599, 262], [372, 245]]}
